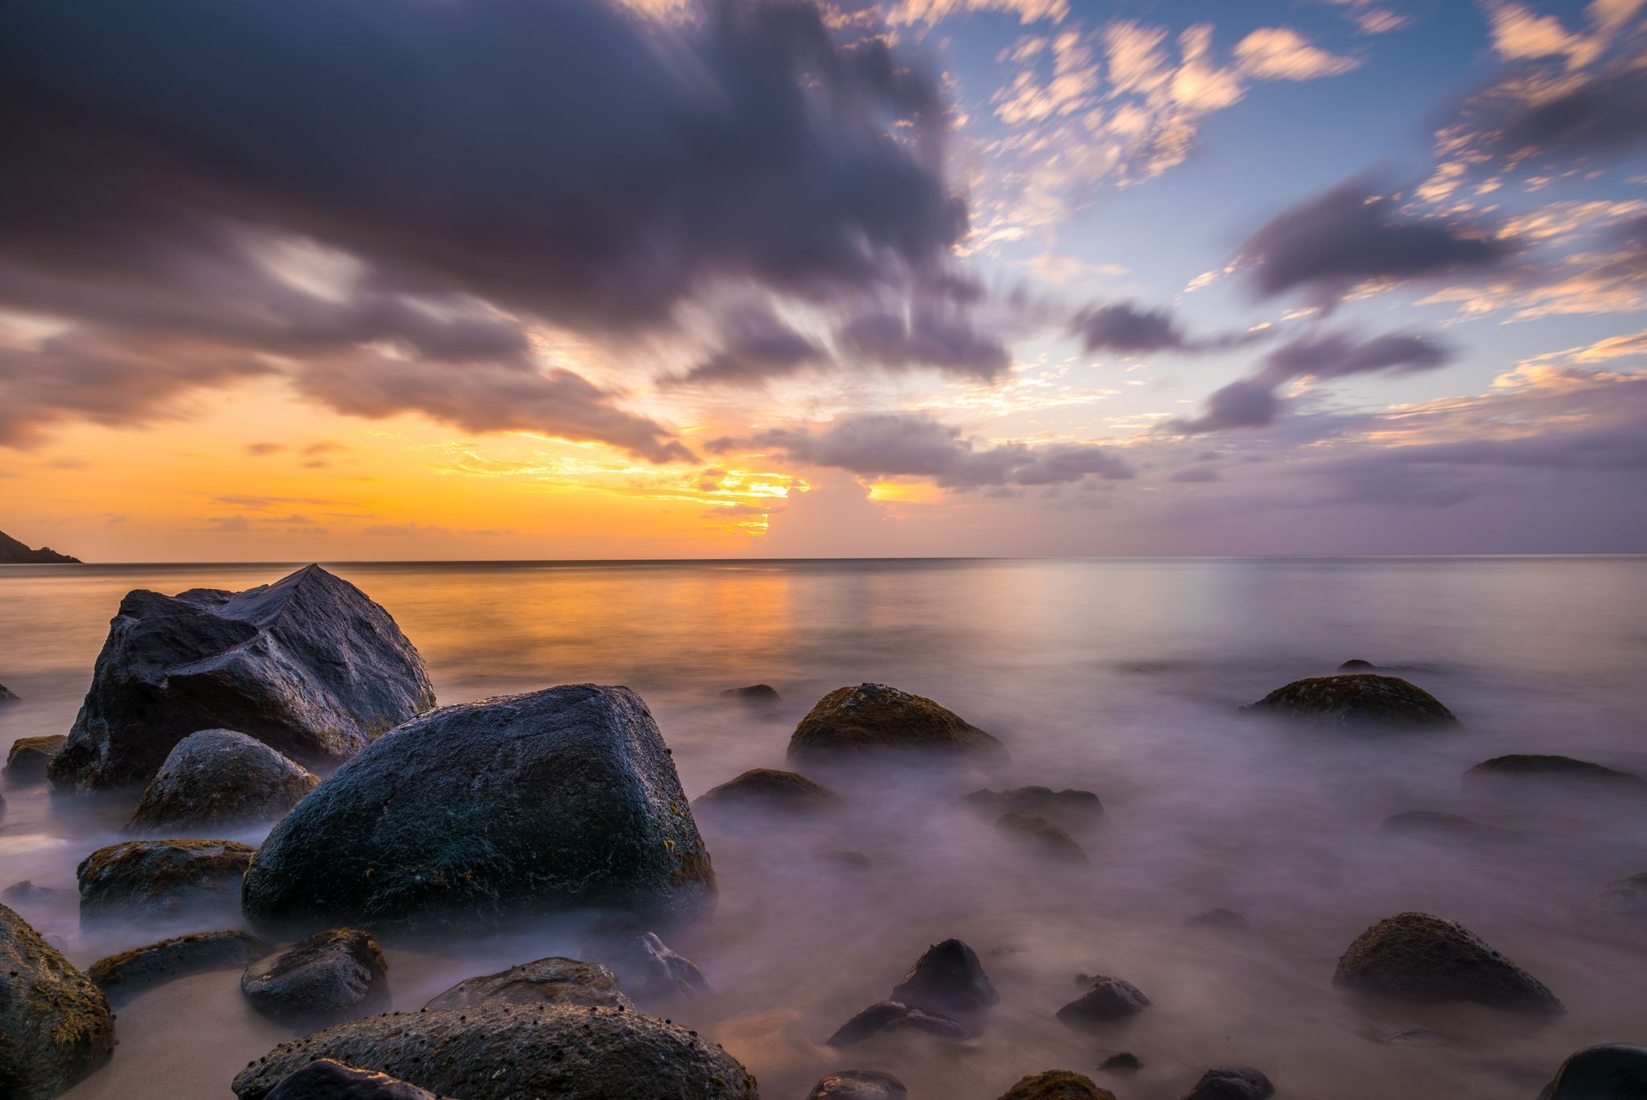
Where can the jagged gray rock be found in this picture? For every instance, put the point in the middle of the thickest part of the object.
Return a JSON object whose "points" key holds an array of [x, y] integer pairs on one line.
{"points": [[220, 777], [55, 1025]]}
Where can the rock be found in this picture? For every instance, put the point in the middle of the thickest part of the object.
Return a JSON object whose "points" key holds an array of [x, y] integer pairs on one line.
{"points": [[1070, 805], [327, 1079], [7, 695], [521, 805], [1433, 825], [883, 1016], [1057, 1084], [122, 977], [499, 1052], [160, 878], [1235, 1083], [1227, 919], [1419, 957], [13, 552], [759, 694], [1611, 1072], [1124, 1062], [55, 1025], [854, 720], [858, 1084], [652, 971], [1042, 835], [554, 980], [26, 891], [947, 978], [1107, 1000], [1356, 664], [1520, 768], [29, 756], [330, 976], [307, 665], [220, 777], [1623, 899], [768, 789], [1357, 700]]}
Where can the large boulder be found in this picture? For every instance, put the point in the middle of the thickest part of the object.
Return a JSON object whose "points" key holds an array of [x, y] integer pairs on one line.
{"points": [[29, 756], [160, 878], [551, 981], [1057, 1084], [1419, 957], [308, 665], [947, 978], [329, 1079], [220, 777], [330, 976], [55, 1025], [1356, 700], [524, 805], [1611, 1072], [504, 1052], [870, 717], [129, 973]]}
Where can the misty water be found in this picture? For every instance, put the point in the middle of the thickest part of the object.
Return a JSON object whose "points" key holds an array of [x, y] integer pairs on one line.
{"points": [[1118, 676]]}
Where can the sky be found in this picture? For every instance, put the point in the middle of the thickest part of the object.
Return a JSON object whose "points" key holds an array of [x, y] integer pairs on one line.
{"points": [[485, 279]]}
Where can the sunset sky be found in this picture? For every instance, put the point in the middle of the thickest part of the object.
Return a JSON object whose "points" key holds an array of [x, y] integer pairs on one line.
{"points": [[420, 279]]}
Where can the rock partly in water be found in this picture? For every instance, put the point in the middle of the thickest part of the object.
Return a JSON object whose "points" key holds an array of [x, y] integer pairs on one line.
{"points": [[653, 971], [1057, 1084], [308, 665], [122, 977], [504, 1052], [219, 777], [1356, 664], [1105, 1001], [1124, 1062], [1355, 700], [1042, 836], [1435, 825], [1419, 957], [331, 976], [522, 805], [1226, 919], [1520, 769], [161, 878], [871, 717], [7, 695], [55, 1025], [1233, 1083], [948, 978], [756, 694], [858, 1084], [551, 981], [26, 891], [29, 757], [1611, 1072], [1071, 806], [769, 790], [1623, 899], [329, 1079], [892, 1016]]}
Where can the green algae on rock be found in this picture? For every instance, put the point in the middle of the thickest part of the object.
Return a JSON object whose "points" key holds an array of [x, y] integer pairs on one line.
{"points": [[1356, 699], [872, 717], [55, 1024]]}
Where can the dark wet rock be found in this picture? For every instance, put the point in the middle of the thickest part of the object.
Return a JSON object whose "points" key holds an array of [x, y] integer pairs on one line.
{"points": [[1611, 1072], [1357, 700], [220, 777], [1233, 1083], [947, 978], [755, 693], [1076, 807], [7, 695], [26, 891], [1356, 664], [526, 804], [870, 717], [330, 976], [1623, 899], [160, 878], [29, 756], [858, 1084], [1057, 1084], [554, 980], [892, 1016], [1226, 919], [308, 665], [55, 1025], [504, 1052], [768, 789], [1524, 768], [1042, 835], [328, 1079], [651, 970], [1124, 1062], [1434, 825], [1419, 957], [1105, 1001], [123, 976]]}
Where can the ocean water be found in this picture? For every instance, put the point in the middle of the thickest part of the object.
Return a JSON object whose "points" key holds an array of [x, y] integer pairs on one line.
{"points": [[1118, 676]]}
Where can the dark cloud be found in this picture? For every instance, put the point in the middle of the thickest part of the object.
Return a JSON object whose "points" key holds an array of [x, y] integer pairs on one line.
{"points": [[1247, 403], [1195, 475], [1601, 115], [1134, 330], [930, 336], [756, 347]]}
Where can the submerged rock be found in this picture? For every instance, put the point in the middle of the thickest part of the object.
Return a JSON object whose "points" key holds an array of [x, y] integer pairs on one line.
{"points": [[654, 971], [220, 777], [7, 695], [768, 789], [1234, 1083], [1623, 899], [947, 978], [1419, 957], [308, 665], [1105, 1001], [1124, 1062], [26, 891], [759, 694], [870, 717], [885, 1016], [1057, 1084], [504, 1052], [1070, 805], [328, 1079], [55, 1025], [858, 1084], [160, 878], [554, 980], [331, 975], [1356, 664], [1042, 835], [1359, 699], [123, 976], [1611, 1072], [29, 757], [525, 804], [1434, 825], [1518, 768]]}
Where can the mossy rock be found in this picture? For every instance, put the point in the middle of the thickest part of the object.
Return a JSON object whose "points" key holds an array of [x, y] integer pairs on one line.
{"points": [[1420, 957], [55, 1024], [123, 976], [1356, 700], [161, 878], [874, 717], [1057, 1084], [29, 756]]}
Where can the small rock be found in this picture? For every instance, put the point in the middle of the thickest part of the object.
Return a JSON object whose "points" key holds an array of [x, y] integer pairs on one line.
{"points": [[1356, 664], [121, 977], [1235, 1083], [1070, 805], [1434, 825], [55, 1025], [1555, 771], [768, 789], [1042, 835], [1107, 1000], [161, 878], [892, 1016], [553, 980], [219, 777], [1124, 1062], [1611, 1072], [327, 1079], [858, 1084], [1357, 700], [7, 695], [26, 891], [1419, 957], [1623, 899], [947, 978], [653, 971], [26, 762], [850, 721], [330, 976], [754, 693], [1057, 1084], [1227, 919]]}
